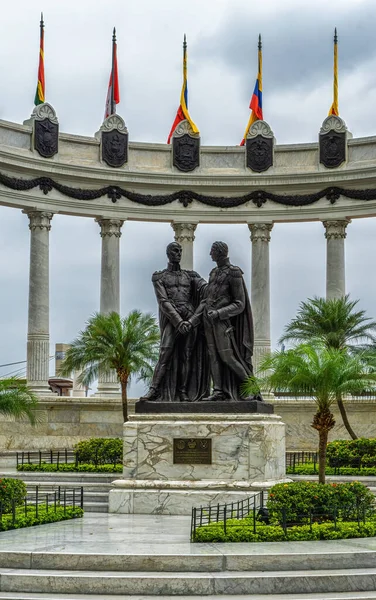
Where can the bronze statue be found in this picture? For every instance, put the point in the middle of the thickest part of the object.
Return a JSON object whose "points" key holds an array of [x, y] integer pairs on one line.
{"points": [[182, 372], [228, 327]]}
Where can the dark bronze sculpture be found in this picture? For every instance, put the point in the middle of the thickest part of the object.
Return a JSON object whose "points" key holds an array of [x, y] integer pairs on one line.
{"points": [[228, 326], [182, 372], [206, 333]]}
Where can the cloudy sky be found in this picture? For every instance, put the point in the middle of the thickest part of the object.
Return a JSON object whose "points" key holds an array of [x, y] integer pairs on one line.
{"points": [[222, 45]]}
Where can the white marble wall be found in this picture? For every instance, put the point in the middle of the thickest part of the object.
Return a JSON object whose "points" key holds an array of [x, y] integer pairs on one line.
{"points": [[244, 447]]}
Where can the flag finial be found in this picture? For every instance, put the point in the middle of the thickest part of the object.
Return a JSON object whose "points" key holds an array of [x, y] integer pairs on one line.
{"points": [[259, 42], [41, 21], [114, 35], [335, 36], [185, 42]]}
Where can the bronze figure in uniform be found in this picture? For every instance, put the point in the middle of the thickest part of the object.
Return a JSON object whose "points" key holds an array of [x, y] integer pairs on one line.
{"points": [[182, 372], [228, 327]]}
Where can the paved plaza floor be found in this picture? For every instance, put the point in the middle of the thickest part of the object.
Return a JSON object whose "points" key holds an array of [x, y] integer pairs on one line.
{"points": [[150, 534]]}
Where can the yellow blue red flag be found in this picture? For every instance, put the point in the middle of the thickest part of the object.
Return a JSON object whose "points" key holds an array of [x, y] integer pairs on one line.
{"points": [[182, 112], [334, 110], [40, 91], [256, 100]]}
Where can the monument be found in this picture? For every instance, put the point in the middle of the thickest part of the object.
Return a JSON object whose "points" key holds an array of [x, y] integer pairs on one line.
{"points": [[186, 445]]}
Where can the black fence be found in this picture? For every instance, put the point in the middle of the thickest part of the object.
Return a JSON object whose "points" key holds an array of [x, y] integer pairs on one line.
{"points": [[223, 512], [294, 459], [53, 457], [36, 500]]}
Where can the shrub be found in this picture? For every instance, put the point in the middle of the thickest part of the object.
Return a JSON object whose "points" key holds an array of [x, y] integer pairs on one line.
{"points": [[100, 451], [352, 453], [290, 501], [309, 469], [11, 489], [72, 467], [242, 531], [44, 516]]}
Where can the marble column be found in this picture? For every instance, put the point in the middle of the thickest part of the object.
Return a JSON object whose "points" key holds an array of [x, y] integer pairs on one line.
{"points": [[38, 335], [185, 235], [335, 233], [110, 231], [260, 289]]}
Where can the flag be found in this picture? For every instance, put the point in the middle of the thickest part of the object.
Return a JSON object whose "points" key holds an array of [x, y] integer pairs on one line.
{"points": [[40, 91], [334, 110], [113, 92], [256, 100], [182, 112]]}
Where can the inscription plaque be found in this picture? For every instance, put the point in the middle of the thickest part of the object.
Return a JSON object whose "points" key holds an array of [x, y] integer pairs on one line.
{"points": [[192, 451]]}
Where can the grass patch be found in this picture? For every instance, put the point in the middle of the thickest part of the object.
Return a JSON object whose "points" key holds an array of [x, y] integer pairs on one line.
{"points": [[70, 467]]}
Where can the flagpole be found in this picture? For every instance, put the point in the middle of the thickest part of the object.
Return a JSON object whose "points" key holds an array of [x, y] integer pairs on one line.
{"points": [[113, 73], [335, 78]]}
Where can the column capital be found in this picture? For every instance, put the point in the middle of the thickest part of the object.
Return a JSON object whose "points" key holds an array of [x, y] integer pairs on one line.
{"points": [[260, 231], [184, 232], [110, 227], [335, 230], [39, 219]]}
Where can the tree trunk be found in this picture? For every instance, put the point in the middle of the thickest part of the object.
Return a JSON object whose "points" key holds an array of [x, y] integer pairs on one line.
{"points": [[323, 440], [323, 422], [345, 420], [123, 378]]}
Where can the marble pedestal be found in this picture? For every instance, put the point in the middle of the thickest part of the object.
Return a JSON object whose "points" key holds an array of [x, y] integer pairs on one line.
{"points": [[248, 454]]}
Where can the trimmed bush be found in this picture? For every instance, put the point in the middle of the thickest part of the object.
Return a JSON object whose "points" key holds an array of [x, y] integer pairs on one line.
{"points": [[44, 516], [100, 451], [11, 489], [71, 467], [242, 531], [289, 501], [309, 469], [352, 453]]}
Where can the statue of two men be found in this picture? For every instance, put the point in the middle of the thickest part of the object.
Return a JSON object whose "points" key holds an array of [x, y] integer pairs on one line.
{"points": [[206, 331]]}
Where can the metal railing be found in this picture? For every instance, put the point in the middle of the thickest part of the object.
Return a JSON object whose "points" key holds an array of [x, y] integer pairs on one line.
{"points": [[36, 457], [36, 501], [215, 513], [294, 459]]}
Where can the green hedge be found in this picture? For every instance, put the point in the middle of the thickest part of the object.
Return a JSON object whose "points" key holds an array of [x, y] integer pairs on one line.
{"points": [[43, 517], [100, 451], [303, 511], [11, 489], [309, 469], [242, 531], [71, 467], [352, 453], [291, 500]]}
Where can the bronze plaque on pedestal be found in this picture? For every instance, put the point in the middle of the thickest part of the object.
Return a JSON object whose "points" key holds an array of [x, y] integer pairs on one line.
{"points": [[192, 451]]}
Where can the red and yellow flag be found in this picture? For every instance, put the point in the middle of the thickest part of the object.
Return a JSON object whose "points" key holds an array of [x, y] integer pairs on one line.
{"points": [[40, 94], [256, 100], [334, 110], [182, 112], [113, 92]]}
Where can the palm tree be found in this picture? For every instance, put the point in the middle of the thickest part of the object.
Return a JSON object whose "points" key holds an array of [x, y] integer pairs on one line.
{"points": [[128, 345], [17, 400], [321, 373], [337, 324]]}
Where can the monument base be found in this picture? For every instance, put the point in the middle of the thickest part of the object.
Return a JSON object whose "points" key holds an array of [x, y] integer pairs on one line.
{"points": [[243, 407], [173, 462]]}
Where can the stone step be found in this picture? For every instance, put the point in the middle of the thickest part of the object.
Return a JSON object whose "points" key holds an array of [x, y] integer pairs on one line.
{"points": [[197, 560], [58, 477], [195, 583], [317, 596]]}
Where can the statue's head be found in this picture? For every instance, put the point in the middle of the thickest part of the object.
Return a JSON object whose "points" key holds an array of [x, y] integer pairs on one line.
{"points": [[173, 252], [218, 251]]}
